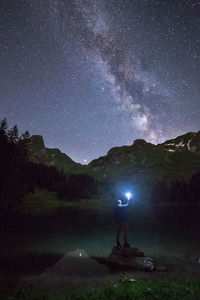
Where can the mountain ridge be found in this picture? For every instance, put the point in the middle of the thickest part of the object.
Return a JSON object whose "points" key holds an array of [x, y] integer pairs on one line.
{"points": [[179, 155], [38, 153]]}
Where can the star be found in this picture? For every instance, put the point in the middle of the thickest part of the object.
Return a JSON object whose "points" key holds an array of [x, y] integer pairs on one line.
{"points": [[92, 75]]}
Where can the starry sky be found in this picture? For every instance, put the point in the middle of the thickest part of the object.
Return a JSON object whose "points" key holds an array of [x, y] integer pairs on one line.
{"points": [[89, 75]]}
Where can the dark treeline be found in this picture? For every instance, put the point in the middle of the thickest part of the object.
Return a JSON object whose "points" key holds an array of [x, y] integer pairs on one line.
{"points": [[177, 191], [13, 156], [19, 176], [171, 190], [74, 186]]}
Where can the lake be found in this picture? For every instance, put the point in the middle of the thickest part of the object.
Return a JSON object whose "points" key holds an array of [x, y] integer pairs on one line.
{"points": [[43, 253]]}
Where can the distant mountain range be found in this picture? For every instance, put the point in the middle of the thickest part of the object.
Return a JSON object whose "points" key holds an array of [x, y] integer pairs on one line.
{"points": [[50, 156], [164, 178], [176, 157], [142, 161]]}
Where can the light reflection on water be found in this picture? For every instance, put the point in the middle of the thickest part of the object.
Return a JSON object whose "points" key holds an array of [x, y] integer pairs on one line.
{"points": [[95, 233]]}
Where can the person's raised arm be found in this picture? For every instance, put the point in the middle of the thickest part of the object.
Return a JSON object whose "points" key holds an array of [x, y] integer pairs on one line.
{"points": [[120, 204]]}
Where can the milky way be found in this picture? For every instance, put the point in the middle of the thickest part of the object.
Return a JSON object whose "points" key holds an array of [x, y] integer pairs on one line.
{"points": [[90, 75]]}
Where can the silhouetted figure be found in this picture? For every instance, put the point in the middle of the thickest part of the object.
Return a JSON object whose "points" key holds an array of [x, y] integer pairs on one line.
{"points": [[120, 217]]}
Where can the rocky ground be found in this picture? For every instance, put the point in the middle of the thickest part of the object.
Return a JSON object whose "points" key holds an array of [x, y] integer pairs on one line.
{"points": [[77, 270]]}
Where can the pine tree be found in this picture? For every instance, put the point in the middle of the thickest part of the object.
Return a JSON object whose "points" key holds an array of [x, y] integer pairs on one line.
{"points": [[25, 135], [24, 143], [3, 126], [13, 134]]}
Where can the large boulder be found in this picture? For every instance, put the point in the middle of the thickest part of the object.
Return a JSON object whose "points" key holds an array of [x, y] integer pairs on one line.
{"points": [[129, 258]]}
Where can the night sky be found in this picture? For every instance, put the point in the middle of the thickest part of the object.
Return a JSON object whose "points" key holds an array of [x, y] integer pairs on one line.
{"points": [[91, 75]]}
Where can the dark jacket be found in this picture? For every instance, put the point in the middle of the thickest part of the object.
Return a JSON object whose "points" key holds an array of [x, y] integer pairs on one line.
{"points": [[120, 213]]}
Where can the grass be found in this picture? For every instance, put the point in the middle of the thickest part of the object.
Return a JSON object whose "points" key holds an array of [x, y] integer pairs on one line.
{"points": [[43, 202], [124, 290]]}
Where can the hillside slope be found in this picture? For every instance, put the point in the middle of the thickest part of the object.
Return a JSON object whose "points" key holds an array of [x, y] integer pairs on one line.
{"points": [[176, 157], [50, 156], [141, 162]]}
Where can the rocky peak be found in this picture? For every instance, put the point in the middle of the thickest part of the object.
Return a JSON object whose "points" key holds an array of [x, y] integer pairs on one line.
{"points": [[189, 141], [49, 156], [37, 142], [139, 142]]}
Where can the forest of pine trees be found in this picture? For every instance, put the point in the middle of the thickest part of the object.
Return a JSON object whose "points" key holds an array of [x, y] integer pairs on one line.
{"points": [[177, 191], [19, 176]]}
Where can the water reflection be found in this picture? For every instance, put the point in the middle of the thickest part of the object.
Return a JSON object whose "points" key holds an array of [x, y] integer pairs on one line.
{"points": [[41, 246]]}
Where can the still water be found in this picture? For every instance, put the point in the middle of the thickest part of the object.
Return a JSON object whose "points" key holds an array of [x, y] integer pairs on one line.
{"points": [[36, 253]]}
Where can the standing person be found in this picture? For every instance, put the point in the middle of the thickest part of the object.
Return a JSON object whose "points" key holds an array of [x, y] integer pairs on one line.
{"points": [[120, 218]]}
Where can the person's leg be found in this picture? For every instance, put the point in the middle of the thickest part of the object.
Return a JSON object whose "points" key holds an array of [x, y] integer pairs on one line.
{"points": [[125, 233], [125, 227], [118, 234]]}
